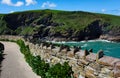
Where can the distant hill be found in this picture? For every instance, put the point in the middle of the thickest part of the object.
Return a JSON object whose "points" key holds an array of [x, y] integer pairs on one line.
{"points": [[60, 25]]}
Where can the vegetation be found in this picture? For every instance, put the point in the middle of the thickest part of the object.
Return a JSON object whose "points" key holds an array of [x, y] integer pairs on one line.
{"points": [[59, 24], [1, 53], [44, 69]]}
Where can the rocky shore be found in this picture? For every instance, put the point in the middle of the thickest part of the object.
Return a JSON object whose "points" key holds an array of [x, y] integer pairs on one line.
{"points": [[110, 38]]}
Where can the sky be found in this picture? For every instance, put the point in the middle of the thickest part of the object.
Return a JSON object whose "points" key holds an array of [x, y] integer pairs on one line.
{"points": [[97, 6]]}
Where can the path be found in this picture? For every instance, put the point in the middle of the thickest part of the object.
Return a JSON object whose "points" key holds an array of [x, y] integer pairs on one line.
{"points": [[14, 65]]}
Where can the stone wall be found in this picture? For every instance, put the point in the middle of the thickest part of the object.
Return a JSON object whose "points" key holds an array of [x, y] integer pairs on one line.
{"points": [[84, 63]]}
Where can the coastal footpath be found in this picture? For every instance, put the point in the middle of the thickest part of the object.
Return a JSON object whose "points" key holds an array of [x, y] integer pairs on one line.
{"points": [[84, 63], [14, 64]]}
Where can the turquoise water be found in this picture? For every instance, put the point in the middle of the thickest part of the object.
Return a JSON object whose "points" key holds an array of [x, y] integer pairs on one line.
{"points": [[109, 48]]}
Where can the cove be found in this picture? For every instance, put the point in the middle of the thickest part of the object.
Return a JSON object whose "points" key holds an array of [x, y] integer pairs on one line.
{"points": [[110, 48]]}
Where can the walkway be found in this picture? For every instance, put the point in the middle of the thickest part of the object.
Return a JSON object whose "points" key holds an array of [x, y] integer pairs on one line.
{"points": [[14, 65]]}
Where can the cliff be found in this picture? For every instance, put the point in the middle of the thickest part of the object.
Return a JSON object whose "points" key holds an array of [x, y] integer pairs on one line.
{"points": [[61, 25]]}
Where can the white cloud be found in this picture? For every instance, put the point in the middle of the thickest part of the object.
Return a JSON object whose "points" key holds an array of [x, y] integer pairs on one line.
{"points": [[48, 4], [103, 10], [9, 2], [12, 11], [29, 2], [19, 3]]}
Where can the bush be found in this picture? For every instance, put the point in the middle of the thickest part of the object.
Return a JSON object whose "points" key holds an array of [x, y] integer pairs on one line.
{"points": [[1, 52], [59, 71], [1, 47], [43, 69]]}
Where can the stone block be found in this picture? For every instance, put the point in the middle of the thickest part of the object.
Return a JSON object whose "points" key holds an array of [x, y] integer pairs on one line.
{"points": [[100, 54], [90, 50], [88, 74]]}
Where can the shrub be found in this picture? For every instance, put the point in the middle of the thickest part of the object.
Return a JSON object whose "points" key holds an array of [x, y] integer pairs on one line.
{"points": [[1, 47], [43, 69], [59, 71], [1, 52]]}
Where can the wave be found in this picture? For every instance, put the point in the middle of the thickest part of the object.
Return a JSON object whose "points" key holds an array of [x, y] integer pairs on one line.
{"points": [[85, 45], [107, 51], [88, 41], [98, 40], [61, 42]]}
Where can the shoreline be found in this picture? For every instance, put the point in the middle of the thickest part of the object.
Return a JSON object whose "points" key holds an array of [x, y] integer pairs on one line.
{"points": [[94, 40], [86, 44]]}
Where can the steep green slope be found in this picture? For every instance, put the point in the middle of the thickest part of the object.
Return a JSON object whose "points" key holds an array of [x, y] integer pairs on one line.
{"points": [[3, 25], [65, 25]]}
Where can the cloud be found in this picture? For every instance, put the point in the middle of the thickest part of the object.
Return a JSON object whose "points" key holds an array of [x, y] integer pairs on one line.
{"points": [[29, 2], [9, 2], [48, 4], [12, 11], [115, 10], [111, 11], [19, 3], [103, 10]]}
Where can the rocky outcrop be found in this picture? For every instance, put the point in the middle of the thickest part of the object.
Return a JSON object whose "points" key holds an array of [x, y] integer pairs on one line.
{"points": [[61, 26], [110, 38]]}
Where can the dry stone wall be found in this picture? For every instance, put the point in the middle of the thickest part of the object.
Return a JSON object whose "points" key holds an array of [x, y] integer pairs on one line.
{"points": [[85, 64]]}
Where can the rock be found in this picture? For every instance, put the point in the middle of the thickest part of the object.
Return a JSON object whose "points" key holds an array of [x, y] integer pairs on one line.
{"points": [[80, 76], [104, 76], [75, 75], [82, 61], [88, 74], [116, 39], [90, 50], [70, 54], [105, 71], [55, 60], [72, 62], [117, 74], [89, 69]]}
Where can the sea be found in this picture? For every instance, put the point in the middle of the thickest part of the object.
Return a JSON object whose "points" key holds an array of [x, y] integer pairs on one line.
{"points": [[110, 48]]}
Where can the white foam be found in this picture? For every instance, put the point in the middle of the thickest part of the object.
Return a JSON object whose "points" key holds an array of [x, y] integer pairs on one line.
{"points": [[101, 40], [85, 45], [107, 51], [98, 40], [61, 42]]}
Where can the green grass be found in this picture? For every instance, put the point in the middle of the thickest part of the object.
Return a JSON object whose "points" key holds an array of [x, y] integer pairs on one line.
{"points": [[40, 11], [67, 20]]}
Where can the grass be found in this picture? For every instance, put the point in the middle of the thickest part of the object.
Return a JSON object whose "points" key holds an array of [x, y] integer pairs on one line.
{"points": [[67, 20]]}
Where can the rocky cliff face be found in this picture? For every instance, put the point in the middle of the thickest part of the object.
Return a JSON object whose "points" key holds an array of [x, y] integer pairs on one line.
{"points": [[62, 25]]}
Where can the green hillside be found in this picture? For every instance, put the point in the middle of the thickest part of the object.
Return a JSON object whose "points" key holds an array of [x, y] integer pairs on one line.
{"points": [[68, 25]]}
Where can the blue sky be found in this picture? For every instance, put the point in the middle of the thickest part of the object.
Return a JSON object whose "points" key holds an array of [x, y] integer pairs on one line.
{"points": [[99, 6]]}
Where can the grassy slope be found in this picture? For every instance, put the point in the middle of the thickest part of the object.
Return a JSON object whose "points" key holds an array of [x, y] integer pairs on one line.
{"points": [[76, 20], [3, 25]]}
